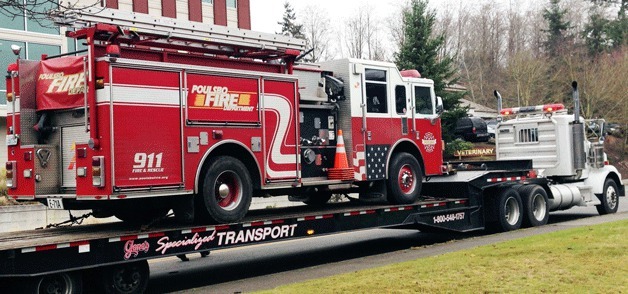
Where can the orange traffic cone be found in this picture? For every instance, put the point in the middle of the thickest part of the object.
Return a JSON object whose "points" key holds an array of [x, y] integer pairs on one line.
{"points": [[341, 169]]}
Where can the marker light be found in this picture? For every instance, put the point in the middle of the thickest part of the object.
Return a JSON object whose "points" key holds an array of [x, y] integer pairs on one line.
{"points": [[98, 175], [546, 108], [10, 174]]}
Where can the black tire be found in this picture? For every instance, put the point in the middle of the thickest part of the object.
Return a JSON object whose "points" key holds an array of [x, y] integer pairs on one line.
{"points": [[124, 278], [67, 283], [226, 193], [508, 208], [535, 205], [319, 198], [140, 215], [609, 198], [405, 179]]}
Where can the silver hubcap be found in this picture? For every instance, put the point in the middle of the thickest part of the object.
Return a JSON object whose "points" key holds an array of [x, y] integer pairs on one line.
{"points": [[539, 207], [611, 197], [406, 179], [511, 208], [223, 191]]}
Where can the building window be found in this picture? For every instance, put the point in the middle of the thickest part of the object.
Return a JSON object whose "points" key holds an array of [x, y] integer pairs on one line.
{"points": [[13, 23], [36, 50], [232, 4], [7, 57], [39, 25], [30, 51], [210, 2], [42, 24]]}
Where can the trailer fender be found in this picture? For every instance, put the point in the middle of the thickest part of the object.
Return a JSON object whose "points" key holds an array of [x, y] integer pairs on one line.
{"points": [[230, 148], [597, 177]]}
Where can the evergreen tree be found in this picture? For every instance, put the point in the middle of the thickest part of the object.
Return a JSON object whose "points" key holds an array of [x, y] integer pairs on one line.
{"points": [[557, 28], [618, 29], [595, 33], [419, 50], [289, 25]]}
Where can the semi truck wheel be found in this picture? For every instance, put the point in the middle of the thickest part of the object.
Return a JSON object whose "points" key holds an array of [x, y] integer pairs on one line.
{"points": [[405, 179], [124, 278], [60, 283], [609, 198], [535, 208], [508, 206], [227, 191]]}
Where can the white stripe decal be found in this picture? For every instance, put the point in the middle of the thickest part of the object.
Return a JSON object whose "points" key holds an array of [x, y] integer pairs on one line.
{"points": [[135, 94], [281, 107]]}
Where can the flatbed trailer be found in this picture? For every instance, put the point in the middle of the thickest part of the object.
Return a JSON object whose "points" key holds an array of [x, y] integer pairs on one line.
{"points": [[113, 257]]}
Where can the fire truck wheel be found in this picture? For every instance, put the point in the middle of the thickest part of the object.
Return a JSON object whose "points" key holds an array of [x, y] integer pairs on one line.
{"points": [[405, 179], [535, 205], [68, 283], [609, 198], [227, 191], [508, 206], [124, 278]]}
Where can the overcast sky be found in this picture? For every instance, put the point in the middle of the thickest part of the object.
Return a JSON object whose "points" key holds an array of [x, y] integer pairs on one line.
{"points": [[266, 13]]}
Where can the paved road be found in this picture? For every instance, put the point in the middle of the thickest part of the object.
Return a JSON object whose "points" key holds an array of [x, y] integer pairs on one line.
{"points": [[270, 265]]}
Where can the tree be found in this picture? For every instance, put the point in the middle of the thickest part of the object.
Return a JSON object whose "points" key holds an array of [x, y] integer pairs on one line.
{"points": [[595, 33], [289, 25], [362, 36], [419, 51], [317, 32], [39, 10], [556, 30]]}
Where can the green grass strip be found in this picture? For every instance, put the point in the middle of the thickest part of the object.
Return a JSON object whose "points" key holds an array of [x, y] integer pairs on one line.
{"points": [[592, 259]]}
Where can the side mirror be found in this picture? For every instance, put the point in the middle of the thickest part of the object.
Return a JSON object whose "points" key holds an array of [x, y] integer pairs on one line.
{"points": [[439, 105]]}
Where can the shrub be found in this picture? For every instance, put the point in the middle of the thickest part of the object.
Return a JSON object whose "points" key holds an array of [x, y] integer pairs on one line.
{"points": [[457, 145]]}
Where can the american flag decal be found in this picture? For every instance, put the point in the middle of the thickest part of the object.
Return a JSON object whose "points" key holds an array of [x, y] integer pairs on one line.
{"points": [[376, 161]]}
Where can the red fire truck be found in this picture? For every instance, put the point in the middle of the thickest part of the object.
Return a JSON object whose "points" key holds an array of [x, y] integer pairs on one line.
{"points": [[161, 114]]}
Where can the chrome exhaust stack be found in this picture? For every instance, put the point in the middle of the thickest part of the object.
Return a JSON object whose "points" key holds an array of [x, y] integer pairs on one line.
{"points": [[579, 155]]}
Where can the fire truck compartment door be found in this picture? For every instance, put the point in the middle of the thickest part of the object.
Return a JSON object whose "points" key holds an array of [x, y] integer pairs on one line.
{"points": [[280, 140], [70, 136], [147, 118]]}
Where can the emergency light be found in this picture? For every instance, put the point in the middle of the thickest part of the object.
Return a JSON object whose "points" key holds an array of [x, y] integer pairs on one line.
{"points": [[546, 108]]}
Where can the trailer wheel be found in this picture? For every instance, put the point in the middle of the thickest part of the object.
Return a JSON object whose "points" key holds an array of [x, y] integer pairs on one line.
{"points": [[405, 179], [227, 191], [508, 205], [124, 278], [66, 283], [535, 208], [609, 198]]}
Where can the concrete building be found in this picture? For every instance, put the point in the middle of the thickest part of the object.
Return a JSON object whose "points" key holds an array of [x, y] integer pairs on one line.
{"points": [[38, 37]]}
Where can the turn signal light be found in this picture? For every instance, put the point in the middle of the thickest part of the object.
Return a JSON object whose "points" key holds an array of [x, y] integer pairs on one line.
{"points": [[100, 83], [11, 180], [98, 165]]}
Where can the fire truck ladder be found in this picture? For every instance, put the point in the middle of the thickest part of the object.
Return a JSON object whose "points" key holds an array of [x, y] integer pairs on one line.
{"points": [[183, 35]]}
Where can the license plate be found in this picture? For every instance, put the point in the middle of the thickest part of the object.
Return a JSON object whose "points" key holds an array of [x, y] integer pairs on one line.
{"points": [[11, 140], [55, 203]]}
